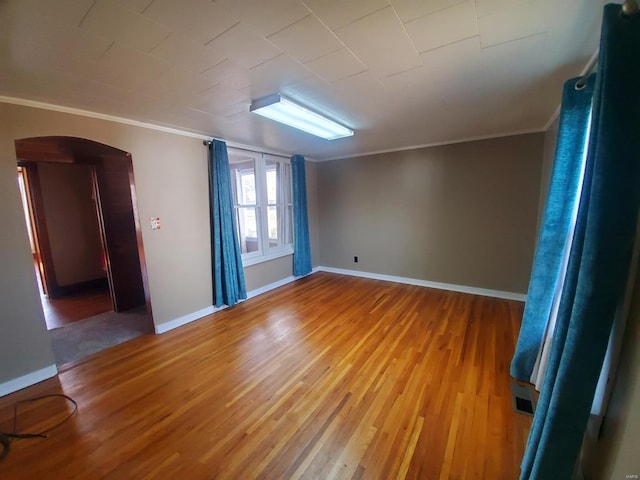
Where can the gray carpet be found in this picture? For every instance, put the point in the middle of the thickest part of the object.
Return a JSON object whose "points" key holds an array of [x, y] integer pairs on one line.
{"points": [[84, 337]]}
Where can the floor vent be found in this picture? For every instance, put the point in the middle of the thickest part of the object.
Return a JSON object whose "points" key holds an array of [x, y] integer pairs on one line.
{"points": [[523, 399]]}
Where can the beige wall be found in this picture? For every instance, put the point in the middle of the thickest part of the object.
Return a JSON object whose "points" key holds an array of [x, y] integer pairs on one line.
{"points": [[24, 343], [463, 214], [72, 222], [171, 183], [313, 212], [262, 274]]}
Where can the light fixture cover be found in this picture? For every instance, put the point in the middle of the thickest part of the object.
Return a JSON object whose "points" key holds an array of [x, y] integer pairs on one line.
{"points": [[281, 109]]}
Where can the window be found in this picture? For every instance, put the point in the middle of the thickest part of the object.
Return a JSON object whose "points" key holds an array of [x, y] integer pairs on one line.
{"points": [[262, 200]]}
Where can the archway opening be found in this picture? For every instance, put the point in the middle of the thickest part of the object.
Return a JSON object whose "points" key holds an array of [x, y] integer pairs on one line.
{"points": [[80, 206]]}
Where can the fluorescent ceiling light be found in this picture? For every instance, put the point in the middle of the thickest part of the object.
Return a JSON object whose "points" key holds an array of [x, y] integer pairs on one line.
{"points": [[283, 110]]}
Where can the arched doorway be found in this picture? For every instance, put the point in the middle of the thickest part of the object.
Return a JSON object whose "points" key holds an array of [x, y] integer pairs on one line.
{"points": [[109, 173]]}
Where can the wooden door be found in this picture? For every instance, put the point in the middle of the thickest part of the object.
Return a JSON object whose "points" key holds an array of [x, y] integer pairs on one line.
{"points": [[113, 180]]}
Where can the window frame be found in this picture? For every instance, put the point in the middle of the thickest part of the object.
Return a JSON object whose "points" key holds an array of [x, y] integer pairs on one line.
{"points": [[264, 252]]}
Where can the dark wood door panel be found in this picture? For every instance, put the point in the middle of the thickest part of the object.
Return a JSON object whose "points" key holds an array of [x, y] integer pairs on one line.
{"points": [[113, 186]]}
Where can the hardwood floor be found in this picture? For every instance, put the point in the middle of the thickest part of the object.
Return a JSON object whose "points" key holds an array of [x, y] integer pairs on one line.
{"points": [[327, 377], [69, 309]]}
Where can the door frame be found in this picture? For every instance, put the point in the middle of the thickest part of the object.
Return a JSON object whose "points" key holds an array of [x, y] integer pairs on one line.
{"points": [[35, 203]]}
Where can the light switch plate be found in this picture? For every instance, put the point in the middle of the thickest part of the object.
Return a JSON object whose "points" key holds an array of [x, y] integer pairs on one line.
{"points": [[155, 223]]}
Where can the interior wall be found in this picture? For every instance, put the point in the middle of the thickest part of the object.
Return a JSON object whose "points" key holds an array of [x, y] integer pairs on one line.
{"points": [[171, 183], [463, 214], [24, 341], [311, 172], [72, 222]]}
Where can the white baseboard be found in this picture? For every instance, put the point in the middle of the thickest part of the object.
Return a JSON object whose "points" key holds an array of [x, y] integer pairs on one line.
{"points": [[27, 380], [279, 283], [425, 283], [271, 286], [178, 322], [188, 318]]}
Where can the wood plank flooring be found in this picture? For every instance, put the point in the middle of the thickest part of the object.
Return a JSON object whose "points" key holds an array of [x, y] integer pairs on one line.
{"points": [[65, 310], [327, 377]]}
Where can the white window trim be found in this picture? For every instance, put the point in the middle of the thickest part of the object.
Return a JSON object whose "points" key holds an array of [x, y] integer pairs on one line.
{"points": [[264, 253]]}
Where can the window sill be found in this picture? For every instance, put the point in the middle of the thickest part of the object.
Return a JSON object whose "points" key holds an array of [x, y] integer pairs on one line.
{"points": [[266, 258]]}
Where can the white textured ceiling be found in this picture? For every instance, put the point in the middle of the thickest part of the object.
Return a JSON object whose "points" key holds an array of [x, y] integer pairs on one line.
{"points": [[399, 72]]}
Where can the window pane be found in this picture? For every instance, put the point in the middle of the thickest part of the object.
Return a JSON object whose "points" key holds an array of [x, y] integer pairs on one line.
{"points": [[274, 226], [287, 207], [272, 182], [243, 179], [248, 182], [248, 229], [288, 225], [262, 195], [278, 182]]}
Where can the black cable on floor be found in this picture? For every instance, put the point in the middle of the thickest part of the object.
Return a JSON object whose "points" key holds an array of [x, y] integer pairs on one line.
{"points": [[7, 437]]}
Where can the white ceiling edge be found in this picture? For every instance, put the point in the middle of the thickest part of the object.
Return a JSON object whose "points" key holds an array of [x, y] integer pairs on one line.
{"points": [[136, 123], [553, 118]]}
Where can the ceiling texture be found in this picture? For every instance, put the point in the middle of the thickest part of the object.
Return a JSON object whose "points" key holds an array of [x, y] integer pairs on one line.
{"points": [[400, 73]]}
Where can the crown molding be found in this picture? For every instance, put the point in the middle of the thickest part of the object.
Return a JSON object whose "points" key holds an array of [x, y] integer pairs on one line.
{"points": [[135, 123]]}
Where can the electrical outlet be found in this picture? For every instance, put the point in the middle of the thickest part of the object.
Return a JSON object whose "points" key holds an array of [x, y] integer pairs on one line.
{"points": [[355, 259]]}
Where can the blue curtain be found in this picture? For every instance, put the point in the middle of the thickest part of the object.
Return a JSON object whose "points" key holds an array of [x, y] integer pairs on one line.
{"points": [[301, 247], [226, 265], [557, 224], [600, 255]]}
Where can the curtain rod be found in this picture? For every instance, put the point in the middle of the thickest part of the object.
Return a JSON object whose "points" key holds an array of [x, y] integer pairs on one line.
{"points": [[588, 70], [206, 143], [629, 7]]}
